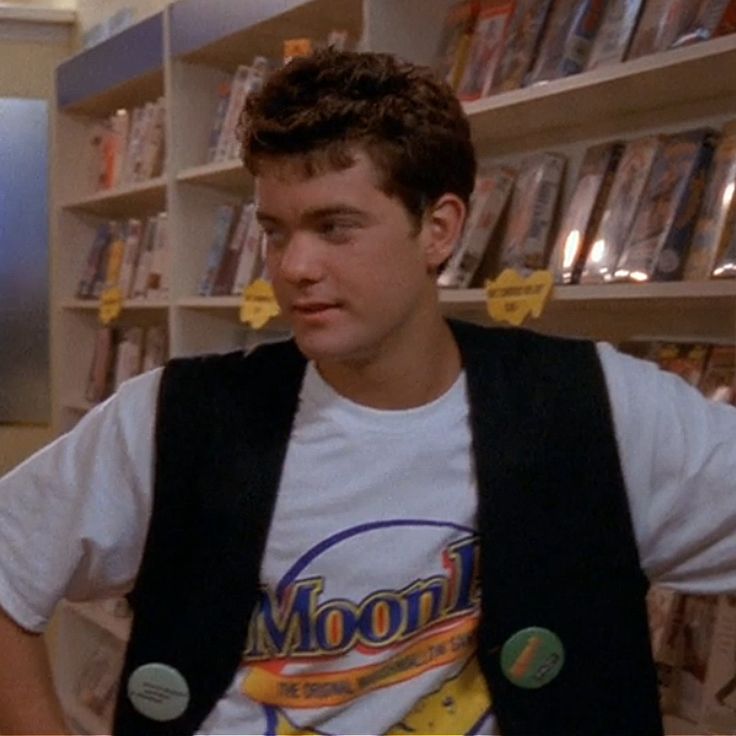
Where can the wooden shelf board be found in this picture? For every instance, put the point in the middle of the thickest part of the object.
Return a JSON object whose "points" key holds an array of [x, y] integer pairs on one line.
{"points": [[80, 304], [128, 94], [130, 304], [210, 302], [228, 175], [595, 102], [658, 292], [678, 310], [78, 405], [29, 14], [146, 196], [267, 26], [227, 308]]}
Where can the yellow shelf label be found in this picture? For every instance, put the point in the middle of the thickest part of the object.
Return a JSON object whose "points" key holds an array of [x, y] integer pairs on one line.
{"points": [[111, 305], [512, 298], [259, 304]]}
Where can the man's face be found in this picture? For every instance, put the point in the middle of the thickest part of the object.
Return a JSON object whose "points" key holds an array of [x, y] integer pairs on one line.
{"points": [[349, 269]]}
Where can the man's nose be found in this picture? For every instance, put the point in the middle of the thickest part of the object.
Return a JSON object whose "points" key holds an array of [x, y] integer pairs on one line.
{"points": [[301, 259]]}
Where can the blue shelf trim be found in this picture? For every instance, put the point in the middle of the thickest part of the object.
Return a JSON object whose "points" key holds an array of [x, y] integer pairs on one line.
{"points": [[197, 23], [130, 54]]}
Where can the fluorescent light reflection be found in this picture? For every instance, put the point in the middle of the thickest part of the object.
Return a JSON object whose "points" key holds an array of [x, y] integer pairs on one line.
{"points": [[571, 248], [598, 251]]}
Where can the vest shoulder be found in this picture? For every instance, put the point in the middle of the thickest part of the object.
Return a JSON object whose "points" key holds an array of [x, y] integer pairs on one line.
{"points": [[236, 361], [517, 339]]}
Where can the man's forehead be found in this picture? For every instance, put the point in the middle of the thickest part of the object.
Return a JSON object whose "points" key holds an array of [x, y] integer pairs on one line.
{"points": [[280, 185], [299, 168]]}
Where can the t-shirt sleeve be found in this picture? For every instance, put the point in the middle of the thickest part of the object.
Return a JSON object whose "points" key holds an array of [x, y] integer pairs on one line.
{"points": [[74, 516], [678, 456]]}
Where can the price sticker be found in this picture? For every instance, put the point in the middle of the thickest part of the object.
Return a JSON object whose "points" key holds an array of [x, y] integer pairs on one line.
{"points": [[259, 304], [111, 305], [512, 298], [294, 47]]}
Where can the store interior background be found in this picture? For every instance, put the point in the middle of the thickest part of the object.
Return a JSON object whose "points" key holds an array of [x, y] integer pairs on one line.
{"points": [[30, 49]]}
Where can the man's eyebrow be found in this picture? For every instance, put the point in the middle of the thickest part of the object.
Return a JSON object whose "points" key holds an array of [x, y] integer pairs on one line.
{"points": [[316, 213], [265, 217], [337, 209]]}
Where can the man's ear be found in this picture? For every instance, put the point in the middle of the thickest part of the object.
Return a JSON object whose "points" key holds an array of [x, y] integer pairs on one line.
{"points": [[442, 228]]}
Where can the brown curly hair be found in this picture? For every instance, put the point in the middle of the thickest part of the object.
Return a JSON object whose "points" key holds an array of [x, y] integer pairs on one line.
{"points": [[319, 108]]}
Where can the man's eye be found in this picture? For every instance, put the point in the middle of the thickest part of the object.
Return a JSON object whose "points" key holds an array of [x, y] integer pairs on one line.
{"points": [[273, 237], [336, 231]]}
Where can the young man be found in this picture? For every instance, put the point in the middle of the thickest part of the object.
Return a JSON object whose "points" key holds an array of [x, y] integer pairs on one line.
{"points": [[394, 524]]}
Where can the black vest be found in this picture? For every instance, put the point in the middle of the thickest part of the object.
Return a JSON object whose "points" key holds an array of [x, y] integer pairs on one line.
{"points": [[557, 545]]}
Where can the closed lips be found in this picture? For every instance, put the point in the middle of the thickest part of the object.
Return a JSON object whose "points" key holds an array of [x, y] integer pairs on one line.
{"points": [[313, 307]]}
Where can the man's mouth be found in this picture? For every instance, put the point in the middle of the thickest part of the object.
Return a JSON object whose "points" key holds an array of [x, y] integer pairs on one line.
{"points": [[313, 308]]}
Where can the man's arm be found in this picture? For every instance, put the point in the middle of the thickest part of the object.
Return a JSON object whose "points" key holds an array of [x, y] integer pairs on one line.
{"points": [[28, 703], [678, 452]]}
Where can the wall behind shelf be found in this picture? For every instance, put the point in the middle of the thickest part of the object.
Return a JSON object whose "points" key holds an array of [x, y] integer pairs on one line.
{"points": [[20, 441], [92, 12], [28, 57]]}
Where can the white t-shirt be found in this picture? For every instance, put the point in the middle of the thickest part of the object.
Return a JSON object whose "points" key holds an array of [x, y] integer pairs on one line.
{"points": [[369, 616]]}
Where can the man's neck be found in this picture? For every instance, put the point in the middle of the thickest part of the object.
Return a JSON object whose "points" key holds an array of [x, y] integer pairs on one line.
{"points": [[409, 374]]}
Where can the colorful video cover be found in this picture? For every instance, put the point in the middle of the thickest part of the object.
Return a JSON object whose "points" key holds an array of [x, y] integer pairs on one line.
{"points": [[696, 633], [719, 377], [490, 197], [718, 713], [454, 44], [620, 209], [665, 608], [656, 249], [485, 49], [717, 212], [725, 267], [525, 244], [523, 32], [727, 24], [705, 24], [567, 40], [687, 360], [662, 22], [615, 34], [584, 212]]}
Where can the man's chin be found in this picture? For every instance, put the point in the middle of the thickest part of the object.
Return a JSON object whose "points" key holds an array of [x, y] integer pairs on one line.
{"points": [[328, 347]]}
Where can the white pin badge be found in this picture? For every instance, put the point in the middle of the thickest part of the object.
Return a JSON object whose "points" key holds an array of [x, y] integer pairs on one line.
{"points": [[158, 691]]}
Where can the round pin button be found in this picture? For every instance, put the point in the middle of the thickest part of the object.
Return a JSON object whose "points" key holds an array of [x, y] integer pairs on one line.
{"points": [[532, 657], [158, 691]]}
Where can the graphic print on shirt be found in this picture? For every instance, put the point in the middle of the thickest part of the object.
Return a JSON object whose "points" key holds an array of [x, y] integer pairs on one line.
{"points": [[314, 653]]}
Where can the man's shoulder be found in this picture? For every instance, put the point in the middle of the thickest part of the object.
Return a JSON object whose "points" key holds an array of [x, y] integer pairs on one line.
{"points": [[520, 346], [219, 366], [500, 334], [218, 384]]}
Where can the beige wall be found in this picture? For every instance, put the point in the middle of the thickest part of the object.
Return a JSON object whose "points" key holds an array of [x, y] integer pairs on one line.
{"points": [[18, 442], [27, 67], [91, 12]]}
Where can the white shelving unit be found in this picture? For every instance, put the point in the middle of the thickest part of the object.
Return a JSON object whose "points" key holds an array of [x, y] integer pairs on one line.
{"points": [[682, 87], [125, 71], [184, 52], [668, 92], [681, 310]]}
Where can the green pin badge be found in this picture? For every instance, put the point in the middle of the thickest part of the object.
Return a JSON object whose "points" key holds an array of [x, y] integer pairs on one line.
{"points": [[532, 657], [158, 691]]}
